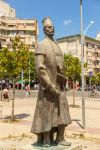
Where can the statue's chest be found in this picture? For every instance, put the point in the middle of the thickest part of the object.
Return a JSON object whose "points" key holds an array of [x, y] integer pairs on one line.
{"points": [[54, 53]]}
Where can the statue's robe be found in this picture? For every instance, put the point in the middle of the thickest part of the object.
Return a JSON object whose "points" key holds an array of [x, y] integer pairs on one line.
{"points": [[51, 109]]}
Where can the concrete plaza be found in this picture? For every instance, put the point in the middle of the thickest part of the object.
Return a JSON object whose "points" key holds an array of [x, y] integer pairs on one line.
{"points": [[24, 111]]}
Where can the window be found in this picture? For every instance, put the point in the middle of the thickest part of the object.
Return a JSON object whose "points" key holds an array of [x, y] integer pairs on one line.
{"points": [[21, 32], [30, 32]]}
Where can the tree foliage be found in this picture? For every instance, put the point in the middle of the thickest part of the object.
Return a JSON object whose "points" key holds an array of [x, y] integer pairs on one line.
{"points": [[13, 62], [96, 79], [72, 66], [1, 67]]}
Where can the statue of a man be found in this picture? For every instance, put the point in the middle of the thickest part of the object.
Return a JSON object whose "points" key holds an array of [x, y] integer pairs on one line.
{"points": [[52, 111]]}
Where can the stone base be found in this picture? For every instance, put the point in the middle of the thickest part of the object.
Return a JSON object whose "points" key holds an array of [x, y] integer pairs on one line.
{"points": [[31, 147], [73, 147]]}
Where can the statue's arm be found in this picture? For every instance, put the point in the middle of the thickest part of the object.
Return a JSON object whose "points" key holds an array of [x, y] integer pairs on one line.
{"points": [[43, 73]]}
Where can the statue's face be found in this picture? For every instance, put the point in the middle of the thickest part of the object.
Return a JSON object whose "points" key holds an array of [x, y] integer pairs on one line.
{"points": [[49, 30]]}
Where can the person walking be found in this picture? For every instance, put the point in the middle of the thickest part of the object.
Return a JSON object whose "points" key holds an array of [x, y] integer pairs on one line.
{"points": [[27, 90], [5, 94]]}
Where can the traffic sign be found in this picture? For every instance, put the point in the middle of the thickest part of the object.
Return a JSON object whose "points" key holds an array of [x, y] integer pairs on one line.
{"points": [[90, 73]]}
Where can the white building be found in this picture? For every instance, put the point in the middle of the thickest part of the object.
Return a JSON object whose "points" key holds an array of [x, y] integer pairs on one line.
{"points": [[6, 10], [98, 36], [10, 26], [72, 45]]}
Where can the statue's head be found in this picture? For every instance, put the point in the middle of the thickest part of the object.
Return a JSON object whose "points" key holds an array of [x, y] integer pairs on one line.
{"points": [[48, 27]]}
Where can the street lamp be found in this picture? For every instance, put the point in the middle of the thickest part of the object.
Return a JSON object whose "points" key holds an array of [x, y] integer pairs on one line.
{"points": [[82, 61], [89, 25], [82, 65], [91, 22]]}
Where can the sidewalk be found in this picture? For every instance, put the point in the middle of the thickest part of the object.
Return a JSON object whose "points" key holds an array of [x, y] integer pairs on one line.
{"points": [[24, 110]]}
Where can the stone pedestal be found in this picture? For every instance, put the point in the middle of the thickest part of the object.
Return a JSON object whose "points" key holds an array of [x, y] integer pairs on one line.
{"points": [[73, 147], [32, 147]]}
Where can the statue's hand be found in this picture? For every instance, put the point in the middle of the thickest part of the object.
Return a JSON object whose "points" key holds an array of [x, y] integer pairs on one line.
{"points": [[53, 90], [57, 92]]}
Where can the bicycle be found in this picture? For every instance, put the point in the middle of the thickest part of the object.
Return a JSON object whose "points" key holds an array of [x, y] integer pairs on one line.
{"points": [[94, 95]]}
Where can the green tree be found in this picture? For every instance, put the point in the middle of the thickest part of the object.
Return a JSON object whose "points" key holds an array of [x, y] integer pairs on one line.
{"points": [[2, 71], [72, 70], [96, 79], [93, 79], [13, 62]]}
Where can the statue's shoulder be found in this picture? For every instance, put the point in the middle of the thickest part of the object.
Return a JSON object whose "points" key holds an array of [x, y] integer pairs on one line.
{"points": [[43, 42], [41, 47]]}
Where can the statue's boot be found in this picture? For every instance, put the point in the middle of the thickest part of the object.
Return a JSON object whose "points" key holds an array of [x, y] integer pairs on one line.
{"points": [[46, 141], [40, 139], [60, 136], [52, 132], [51, 139]]}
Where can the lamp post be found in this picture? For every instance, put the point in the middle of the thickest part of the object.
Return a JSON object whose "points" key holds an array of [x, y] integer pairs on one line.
{"points": [[82, 61], [82, 66]]}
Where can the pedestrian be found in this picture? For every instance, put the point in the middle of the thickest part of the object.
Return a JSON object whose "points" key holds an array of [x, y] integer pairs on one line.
{"points": [[5, 94], [27, 90]]}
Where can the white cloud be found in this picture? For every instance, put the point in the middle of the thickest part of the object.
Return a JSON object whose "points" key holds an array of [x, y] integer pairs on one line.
{"points": [[67, 22]]}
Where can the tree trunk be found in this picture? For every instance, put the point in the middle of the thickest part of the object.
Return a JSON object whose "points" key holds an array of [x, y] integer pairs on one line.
{"points": [[1, 89], [22, 83], [13, 102], [67, 86], [73, 93]]}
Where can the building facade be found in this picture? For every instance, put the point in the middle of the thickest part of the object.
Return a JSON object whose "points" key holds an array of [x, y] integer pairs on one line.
{"points": [[11, 26], [98, 36], [27, 30], [72, 45], [6, 10]]}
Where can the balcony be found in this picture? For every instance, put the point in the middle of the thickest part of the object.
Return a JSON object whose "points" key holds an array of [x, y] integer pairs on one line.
{"points": [[11, 36], [33, 28], [11, 28], [97, 66], [91, 57], [3, 28], [91, 66], [2, 36], [97, 58], [97, 70], [90, 50], [97, 51]]}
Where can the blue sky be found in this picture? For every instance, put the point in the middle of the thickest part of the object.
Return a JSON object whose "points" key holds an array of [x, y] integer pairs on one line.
{"points": [[64, 13]]}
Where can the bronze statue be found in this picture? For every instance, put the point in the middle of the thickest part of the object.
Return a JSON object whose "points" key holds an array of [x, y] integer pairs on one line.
{"points": [[52, 111]]}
